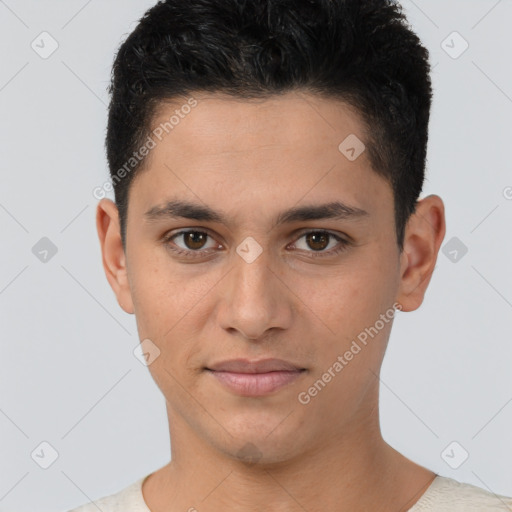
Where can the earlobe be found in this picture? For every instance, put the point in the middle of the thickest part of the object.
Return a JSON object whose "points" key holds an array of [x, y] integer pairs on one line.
{"points": [[424, 234], [113, 255]]}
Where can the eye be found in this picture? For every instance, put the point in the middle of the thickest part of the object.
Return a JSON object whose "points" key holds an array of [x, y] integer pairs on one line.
{"points": [[316, 242], [192, 241]]}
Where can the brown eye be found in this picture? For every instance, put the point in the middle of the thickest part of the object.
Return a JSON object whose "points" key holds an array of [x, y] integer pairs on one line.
{"points": [[321, 243], [318, 241], [189, 242], [194, 239]]}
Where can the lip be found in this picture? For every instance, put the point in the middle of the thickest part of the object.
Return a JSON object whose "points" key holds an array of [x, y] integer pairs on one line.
{"points": [[255, 378], [259, 366]]}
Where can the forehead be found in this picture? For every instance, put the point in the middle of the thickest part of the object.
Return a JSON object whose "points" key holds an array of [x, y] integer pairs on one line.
{"points": [[225, 147], [220, 123]]}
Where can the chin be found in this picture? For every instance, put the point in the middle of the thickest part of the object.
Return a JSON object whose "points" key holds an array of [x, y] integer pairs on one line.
{"points": [[263, 448]]}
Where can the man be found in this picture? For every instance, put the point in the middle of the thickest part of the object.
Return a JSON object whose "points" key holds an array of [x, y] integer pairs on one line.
{"points": [[267, 160]]}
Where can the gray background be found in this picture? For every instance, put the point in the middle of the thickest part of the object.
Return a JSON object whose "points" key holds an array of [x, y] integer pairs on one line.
{"points": [[68, 375]]}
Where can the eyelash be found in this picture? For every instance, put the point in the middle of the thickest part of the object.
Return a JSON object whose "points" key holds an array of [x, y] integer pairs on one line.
{"points": [[342, 244]]}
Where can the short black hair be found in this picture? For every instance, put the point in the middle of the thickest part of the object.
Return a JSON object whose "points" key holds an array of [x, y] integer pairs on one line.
{"points": [[362, 52]]}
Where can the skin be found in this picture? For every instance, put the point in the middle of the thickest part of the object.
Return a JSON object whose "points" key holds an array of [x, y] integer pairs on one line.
{"points": [[250, 160]]}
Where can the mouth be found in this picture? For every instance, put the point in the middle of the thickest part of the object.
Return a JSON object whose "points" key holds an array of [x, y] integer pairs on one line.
{"points": [[255, 378]]}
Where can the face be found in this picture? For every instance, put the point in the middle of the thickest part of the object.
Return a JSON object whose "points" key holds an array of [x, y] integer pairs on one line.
{"points": [[251, 236]]}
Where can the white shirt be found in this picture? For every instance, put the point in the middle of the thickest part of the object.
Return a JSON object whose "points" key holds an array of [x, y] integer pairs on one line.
{"points": [[443, 495]]}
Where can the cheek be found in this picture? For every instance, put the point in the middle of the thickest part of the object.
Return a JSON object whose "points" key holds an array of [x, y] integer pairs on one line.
{"points": [[164, 310], [169, 304], [346, 297], [156, 293], [349, 299]]}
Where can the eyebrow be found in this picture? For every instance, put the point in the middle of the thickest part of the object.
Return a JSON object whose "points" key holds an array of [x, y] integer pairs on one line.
{"points": [[175, 209]]}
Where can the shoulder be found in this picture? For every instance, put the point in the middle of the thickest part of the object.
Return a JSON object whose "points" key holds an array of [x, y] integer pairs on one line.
{"points": [[447, 494], [129, 498]]}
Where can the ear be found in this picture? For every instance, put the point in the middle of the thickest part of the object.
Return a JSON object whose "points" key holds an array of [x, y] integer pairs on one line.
{"points": [[424, 234], [113, 256]]}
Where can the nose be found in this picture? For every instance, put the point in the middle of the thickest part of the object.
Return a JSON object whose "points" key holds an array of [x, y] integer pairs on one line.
{"points": [[255, 299]]}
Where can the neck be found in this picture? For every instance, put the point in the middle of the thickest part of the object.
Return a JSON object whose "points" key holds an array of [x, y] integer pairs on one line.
{"points": [[350, 470]]}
